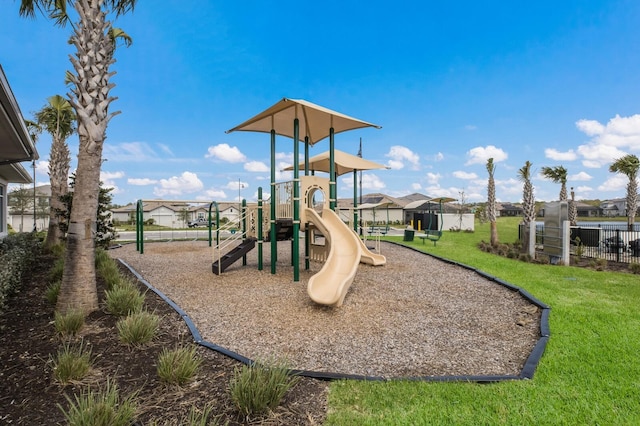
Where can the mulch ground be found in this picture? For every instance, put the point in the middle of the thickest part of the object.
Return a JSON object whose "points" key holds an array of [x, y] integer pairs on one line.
{"points": [[29, 395]]}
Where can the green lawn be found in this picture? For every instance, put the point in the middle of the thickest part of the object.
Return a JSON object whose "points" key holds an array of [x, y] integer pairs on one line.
{"points": [[589, 373]]}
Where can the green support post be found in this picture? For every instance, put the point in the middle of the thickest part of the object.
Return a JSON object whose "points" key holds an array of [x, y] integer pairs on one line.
{"points": [[272, 201], [140, 227], [332, 168], [259, 228], [296, 201], [243, 215], [217, 223], [355, 200]]}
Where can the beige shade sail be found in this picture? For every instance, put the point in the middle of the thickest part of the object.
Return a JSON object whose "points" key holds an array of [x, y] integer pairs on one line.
{"points": [[315, 121], [345, 163]]}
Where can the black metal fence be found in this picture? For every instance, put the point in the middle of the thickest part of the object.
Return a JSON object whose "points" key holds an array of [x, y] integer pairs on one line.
{"points": [[608, 241]]}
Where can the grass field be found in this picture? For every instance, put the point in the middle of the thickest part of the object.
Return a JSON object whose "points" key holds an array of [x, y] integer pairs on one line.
{"points": [[589, 373]]}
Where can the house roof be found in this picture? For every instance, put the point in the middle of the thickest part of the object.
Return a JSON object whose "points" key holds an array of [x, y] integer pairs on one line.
{"points": [[15, 142]]}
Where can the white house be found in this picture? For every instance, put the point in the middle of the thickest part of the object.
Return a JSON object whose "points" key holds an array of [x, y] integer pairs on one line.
{"points": [[16, 147]]}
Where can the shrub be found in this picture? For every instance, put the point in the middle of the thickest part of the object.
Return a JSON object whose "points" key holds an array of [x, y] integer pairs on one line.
{"points": [[178, 366], [258, 387], [69, 323], [138, 328], [55, 274], [102, 408], [71, 363], [634, 268], [52, 292], [124, 299], [17, 254]]}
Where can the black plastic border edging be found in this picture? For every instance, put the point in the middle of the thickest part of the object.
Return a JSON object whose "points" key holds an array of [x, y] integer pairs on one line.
{"points": [[526, 373]]}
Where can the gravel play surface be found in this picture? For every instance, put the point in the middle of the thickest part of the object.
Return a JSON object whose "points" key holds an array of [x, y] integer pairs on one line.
{"points": [[416, 316]]}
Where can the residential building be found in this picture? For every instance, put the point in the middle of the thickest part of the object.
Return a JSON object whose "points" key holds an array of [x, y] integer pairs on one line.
{"points": [[16, 147]]}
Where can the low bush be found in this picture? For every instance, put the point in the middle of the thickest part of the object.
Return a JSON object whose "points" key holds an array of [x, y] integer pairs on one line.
{"points": [[124, 299], [260, 387], [138, 328], [71, 363], [17, 254], [100, 408], [634, 268], [69, 323], [178, 366]]}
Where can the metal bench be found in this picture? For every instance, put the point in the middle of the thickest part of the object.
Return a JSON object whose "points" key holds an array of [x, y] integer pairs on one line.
{"points": [[431, 235]]}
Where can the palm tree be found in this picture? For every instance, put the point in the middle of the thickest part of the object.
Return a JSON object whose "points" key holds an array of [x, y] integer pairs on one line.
{"points": [[58, 119], [491, 202], [528, 202], [629, 165], [557, 174], [95, 41]]}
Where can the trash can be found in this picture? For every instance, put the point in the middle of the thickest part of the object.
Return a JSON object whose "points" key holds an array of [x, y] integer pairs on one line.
{"points": [[408, 234]]}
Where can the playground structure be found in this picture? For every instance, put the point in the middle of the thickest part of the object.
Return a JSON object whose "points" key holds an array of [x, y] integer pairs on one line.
{"points": [[327, 238]]}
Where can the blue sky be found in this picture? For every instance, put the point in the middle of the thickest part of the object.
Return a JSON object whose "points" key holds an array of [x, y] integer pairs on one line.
{"points": [[451, 84]]}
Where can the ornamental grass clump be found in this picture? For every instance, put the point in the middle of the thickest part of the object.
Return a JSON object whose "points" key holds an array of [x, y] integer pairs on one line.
{"points": [[52, 291], [178, 366], [100, 408], [108, 269], [260, 387], [138, 328], [69, 323], [72, 362], [124, 299]]}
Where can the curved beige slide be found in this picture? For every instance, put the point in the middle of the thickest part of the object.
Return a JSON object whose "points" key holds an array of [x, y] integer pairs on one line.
{"points": [[330, 285], [369, 257]]}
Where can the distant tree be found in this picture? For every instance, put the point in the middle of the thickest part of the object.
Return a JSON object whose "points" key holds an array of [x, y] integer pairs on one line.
{"points": [[557, 174], [58, 119], [183, 215], [42, 208], [491, 202], [629, 165], [461, 208], [105, 231], [528, 202], [20, 202]]}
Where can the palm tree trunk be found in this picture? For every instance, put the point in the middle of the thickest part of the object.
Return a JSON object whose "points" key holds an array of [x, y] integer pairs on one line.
{"points": [[78, 289]]}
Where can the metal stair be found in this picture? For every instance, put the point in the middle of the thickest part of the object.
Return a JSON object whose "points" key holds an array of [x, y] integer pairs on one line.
{"points": [[230, 258]]}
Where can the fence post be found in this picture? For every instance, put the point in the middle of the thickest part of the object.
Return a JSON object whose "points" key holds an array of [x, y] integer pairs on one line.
{"points": [[566, 242]]}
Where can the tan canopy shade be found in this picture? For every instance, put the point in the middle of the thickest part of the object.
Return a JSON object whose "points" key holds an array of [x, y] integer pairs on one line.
{"points": [[315, 121], [345, 163]]}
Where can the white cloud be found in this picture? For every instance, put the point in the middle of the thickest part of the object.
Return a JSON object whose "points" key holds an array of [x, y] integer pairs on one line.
{"points": [[609, 142], [433, 178], [464, 175], [141, 182], [582, 176], [395, 165], [186, 183], [439, 156], [235, 184], [369, 181], [165, 148], [556, 155], [616, 182], [256, 166], [416, 186], [42, 167], [214, 194], [225, 153], [480, 155], [107, 178], [129, 151], [399, 155], [597, 155]]}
